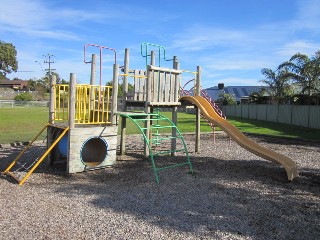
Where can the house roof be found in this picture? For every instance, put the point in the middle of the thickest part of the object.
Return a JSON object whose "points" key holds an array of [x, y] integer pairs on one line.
{"points": [[237, 91], [13, 83]]}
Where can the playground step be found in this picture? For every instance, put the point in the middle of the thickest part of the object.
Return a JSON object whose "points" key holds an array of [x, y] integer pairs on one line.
{"points": [[14, 176], [165, 138], [157, 127], [146, 119], [168, 152], [173, 166]]}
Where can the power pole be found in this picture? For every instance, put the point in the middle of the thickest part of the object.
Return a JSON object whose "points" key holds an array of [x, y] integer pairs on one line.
{"points": [[49, 59]]}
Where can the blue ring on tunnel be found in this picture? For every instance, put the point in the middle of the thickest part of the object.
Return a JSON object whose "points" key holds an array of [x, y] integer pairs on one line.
{"points": [[94, 151]]}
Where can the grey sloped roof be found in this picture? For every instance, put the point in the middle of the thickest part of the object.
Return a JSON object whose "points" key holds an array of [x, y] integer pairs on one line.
{"points": [[237, 91], [214, 92]]}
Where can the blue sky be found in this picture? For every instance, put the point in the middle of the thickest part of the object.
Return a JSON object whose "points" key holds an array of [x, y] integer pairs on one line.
{"points": [[232, 40]]}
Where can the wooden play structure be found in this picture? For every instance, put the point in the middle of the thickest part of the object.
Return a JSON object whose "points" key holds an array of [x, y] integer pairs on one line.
{"points": [[155, 88], [82, 127], [83, 118]]}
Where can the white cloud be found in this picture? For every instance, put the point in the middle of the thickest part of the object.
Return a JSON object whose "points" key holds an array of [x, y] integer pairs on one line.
{"points": [[305, 47], [234, 62], [199, 37], [226, 52], [35, 18], [308, 15], [23, 14]]}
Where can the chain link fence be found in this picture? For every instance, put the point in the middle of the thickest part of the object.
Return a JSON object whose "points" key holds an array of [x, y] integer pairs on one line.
{"points": [[24, 104]]}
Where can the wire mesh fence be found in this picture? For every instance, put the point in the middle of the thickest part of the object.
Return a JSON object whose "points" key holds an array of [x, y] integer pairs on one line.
{"points": [[24, 104]]}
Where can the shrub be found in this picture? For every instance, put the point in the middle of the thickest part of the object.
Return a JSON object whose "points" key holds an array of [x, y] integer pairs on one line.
{"points": [[26, 96]]}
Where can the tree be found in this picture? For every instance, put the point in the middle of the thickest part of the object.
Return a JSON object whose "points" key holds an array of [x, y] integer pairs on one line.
{"points": [[59, 80], [305, 71], [227, 99], [42, 86], [259, 97], [8, 59], [120, 88], [278, 83]]}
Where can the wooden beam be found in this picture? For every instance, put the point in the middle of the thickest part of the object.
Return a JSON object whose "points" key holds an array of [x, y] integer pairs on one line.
{"points": [[160, 69]]}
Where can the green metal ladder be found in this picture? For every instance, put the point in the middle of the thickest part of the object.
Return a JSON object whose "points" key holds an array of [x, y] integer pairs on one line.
{"points": [[161, 123]]}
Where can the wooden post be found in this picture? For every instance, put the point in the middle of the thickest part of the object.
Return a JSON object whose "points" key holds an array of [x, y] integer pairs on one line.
{"points": [[176, 65], [72, 100], [114, 105], [151, 88], [198, 81], [72, 112], [93, 79], [153, 58], [53, 80], [124, 104], [50, 137], [198, 93], [147, 108], [93, 69]]}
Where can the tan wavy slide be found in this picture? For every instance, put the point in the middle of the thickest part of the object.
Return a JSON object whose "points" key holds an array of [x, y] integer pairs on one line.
{"points": [[210, 114]]}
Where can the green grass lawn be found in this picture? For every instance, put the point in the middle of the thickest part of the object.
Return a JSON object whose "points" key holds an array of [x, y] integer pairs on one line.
{"points": [[275, 129], [186, 123], [22, 124]]}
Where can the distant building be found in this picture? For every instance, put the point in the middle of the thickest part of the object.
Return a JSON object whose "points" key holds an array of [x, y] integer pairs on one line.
{"points": [[14, 84], [241, 93]]}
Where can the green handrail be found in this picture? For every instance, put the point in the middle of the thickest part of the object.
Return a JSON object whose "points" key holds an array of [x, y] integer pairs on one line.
{"points": [[146, 55]]}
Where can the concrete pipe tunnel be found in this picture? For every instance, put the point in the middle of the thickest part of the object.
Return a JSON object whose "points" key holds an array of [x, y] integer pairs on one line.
{"points": [[93, 151]]}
